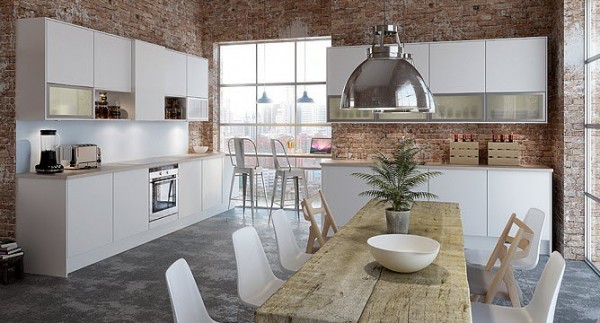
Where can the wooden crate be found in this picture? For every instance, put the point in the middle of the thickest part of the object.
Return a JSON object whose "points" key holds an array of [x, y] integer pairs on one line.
{"points": [[504, 153], [464, 153]]}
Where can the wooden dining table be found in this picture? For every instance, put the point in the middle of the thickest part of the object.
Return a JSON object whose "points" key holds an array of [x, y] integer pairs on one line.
{"points": [[342, 282]]}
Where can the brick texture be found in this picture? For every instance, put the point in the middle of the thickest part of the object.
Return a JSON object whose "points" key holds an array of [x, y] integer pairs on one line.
{"points": [[198, 27]]}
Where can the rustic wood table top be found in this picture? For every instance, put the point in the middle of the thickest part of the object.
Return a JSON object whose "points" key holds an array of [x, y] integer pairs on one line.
{"points": [[342, 282]]}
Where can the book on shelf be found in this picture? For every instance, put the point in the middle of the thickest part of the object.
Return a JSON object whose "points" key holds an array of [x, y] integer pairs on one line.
{"points": [[8, 244], [11, 255], [9, 252]]}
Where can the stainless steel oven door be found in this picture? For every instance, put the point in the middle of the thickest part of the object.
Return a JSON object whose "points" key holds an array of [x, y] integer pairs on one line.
{"points": [[163, 196]]}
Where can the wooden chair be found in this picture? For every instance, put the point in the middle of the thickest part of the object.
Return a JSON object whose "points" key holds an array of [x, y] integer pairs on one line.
{"points": [[315, 235], [485, 282]]}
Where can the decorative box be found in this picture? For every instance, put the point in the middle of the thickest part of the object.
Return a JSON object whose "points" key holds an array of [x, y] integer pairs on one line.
{"points": [[464, 153], [504, 153]]}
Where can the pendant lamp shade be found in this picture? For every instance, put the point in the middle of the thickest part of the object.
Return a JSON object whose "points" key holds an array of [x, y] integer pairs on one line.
{"points": [[387, 81], [264, 98], [305, 98]]}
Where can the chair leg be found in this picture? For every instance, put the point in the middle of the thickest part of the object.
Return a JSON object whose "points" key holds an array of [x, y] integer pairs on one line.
{"points": [[231, 191], [306, 193], [252, 183], [273, 196], [244, 184], [297, 195], [262, 178], [283, 185]]}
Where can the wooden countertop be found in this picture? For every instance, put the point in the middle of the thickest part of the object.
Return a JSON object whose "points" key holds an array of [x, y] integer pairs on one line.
{"points": [[369, 162], [343, 283]]}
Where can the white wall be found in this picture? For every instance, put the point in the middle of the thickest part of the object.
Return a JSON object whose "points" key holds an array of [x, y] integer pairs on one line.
{"points": [[118, 140]]}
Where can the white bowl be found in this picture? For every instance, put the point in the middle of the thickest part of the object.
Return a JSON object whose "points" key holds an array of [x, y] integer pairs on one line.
{"points": [[403, 253], [200, 149]]}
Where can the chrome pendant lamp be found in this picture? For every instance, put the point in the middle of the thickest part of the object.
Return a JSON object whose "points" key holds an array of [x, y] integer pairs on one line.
{"points": [[305, 98], [264, 99], [387, 81]]}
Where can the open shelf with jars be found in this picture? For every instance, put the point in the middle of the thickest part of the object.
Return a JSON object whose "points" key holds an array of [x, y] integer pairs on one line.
{"points": [[110, 105]]}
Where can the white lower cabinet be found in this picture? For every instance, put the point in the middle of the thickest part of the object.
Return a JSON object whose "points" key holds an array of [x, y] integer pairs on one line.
{"points": [[190, 188], [212, 183], [467, 188], [89, 213], [130, 203]]}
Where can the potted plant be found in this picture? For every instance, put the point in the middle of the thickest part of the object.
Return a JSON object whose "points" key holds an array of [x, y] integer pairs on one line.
{"points": [[392, 180]]}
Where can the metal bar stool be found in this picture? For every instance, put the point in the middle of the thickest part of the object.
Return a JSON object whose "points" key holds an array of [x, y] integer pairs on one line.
{"points": [[241, 168], [286, 172]]}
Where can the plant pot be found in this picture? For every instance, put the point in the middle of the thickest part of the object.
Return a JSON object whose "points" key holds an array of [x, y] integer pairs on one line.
{"points": [[397, 221]]}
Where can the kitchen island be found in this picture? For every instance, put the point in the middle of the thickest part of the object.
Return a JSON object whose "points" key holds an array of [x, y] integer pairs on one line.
{"points": [[342, 282], [73, 219]]}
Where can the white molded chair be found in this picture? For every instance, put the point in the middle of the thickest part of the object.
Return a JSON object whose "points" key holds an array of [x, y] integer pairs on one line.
{"points": [[186, 300], [534, 219], [256, 281], [542, 305], [290, 255], [285, 171], [241, 167]]}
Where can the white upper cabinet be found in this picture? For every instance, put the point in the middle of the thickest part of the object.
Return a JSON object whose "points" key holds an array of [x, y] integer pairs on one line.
{"points": [[149, 81], [457, 67], [69, 54], [420, 55], [516, 65], [112, 62], [341, 62], [197, 77], [175, 73]]}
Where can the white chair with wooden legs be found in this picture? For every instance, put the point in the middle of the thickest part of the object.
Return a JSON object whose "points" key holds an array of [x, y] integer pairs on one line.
{"points": [[290, 255], [542, 306], [256, 281], [285, 171], [485, 282], [534, 219], [316, 235], [242, 168], [186, 301]]}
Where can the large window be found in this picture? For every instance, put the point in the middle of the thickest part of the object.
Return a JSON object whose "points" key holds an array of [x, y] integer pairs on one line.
{"points": [[283, 71], [592, 133]]}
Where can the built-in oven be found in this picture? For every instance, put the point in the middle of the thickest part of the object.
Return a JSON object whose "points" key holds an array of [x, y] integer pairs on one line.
{"points": [[163, 191]]}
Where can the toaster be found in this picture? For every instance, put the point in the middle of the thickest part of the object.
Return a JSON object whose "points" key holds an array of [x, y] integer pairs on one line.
{"points": [[80, 156]]}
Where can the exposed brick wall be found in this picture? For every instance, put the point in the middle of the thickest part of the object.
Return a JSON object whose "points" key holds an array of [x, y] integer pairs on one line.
{"points": [[174, 24]]}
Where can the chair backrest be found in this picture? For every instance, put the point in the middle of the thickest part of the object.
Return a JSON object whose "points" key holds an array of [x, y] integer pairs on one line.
{"points": [[279, 151], [534, 220], [238, 154], [186, 301], [286, 241], [506, 250], [543, 303], [253, 269], [311, 206]]}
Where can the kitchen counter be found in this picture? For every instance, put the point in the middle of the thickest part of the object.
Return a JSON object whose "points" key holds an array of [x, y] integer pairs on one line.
{"points": [[122, 166], [369, 162]]}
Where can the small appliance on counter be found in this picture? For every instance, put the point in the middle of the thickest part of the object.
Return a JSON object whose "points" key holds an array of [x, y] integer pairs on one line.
{"points": [[49, 142], [81, 156]]}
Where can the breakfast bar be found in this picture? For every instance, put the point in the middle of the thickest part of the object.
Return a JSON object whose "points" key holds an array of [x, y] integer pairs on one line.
{"points": [[342, 282]]}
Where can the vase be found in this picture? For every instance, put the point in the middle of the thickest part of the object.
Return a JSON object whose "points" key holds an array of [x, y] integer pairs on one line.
{"points": [[397, 221]]}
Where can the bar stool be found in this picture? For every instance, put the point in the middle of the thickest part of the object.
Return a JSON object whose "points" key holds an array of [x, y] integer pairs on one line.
{"points": [[241, 168], [286, 172]]}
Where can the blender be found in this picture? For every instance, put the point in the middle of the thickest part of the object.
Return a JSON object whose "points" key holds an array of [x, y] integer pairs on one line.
{"points": [[49, 142]]}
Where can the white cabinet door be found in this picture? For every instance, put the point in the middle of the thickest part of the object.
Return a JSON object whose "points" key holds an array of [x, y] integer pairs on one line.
{"points": [[517, 191], [112, 62], [468, 189], [197, 109], [131, 205], [69, 54], [212, 182], [149, 81], [457, 67], [341, 62], [190, 188], [516, 65], [175, 73], [197, 77], [420, 55], [89, 213]]}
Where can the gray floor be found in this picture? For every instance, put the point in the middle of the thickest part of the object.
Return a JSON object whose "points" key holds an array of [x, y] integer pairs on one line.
{"points": [[130, 287]]}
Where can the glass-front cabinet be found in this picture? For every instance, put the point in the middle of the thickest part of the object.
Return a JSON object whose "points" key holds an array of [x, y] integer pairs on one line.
{"points": [[516, 107], [70, 102], [460, 107]]}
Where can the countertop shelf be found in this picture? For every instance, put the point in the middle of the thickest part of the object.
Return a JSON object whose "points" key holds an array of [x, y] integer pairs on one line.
{"points": [[369, 162]]}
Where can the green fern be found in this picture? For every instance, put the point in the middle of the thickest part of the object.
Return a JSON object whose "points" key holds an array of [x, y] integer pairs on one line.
{"points": [[393, 179]]}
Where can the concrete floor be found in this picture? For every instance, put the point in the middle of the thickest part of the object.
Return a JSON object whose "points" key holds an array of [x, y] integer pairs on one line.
{"points": [[130, 287]]}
